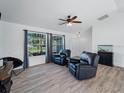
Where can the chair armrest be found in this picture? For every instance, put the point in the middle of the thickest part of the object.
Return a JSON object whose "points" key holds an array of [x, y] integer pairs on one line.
{"points": [[84, 66], [86, 69], [81, 65], [62, 56], [87, 66], [58, 55]]}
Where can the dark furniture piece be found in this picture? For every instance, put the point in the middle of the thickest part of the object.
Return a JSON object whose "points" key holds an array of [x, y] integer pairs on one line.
{"points": [[16, 62], [61, 59], [5, 77], [106, 58], [84, 68], [0, 15]]}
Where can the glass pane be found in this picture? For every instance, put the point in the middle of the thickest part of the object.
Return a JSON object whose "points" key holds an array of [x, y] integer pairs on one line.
{"points": [[36, 44], [57, 43]]}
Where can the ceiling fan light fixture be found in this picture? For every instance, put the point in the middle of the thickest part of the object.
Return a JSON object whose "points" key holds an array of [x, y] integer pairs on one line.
{"points": [[70, 20], [69, 24]]}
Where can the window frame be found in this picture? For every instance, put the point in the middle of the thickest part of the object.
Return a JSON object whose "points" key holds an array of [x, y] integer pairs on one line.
{"points": [[62, 43], [36, 42]]}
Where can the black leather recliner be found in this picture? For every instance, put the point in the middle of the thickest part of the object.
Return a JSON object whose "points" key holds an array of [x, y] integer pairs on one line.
{"points": [[86, 67], [61, 59]]}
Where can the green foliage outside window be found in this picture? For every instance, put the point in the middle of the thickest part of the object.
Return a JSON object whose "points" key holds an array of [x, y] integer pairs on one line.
{"points": [[36, 44]]}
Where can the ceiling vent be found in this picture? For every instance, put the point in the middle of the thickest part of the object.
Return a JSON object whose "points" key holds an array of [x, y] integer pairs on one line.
{"points": [[103, 17]]}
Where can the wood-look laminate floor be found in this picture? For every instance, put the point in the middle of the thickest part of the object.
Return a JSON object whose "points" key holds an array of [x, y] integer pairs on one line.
{"points": [[52, 78]]}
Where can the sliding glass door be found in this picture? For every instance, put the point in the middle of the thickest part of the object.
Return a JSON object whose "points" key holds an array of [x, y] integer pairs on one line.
{"points": [[36, 48], [41, 47], [58, 43]]}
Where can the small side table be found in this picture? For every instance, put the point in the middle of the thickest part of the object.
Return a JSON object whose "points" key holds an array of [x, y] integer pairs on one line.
{"points": [[76, 59]]}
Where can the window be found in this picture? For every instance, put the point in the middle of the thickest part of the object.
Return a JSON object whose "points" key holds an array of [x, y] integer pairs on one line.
{"points": [[36, 44], [57, 43]]}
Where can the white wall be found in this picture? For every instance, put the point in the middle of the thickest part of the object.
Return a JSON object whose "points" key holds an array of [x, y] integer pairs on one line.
{"points": [[82, 42], [111, 32], [13, 40], [86, 40]]}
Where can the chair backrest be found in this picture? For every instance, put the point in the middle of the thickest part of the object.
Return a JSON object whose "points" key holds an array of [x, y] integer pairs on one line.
{"points": [[16, 62], [91, 58], [66, 52], [96, 60]]}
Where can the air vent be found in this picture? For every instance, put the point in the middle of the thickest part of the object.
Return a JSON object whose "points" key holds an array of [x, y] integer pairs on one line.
{"points": [[103, 17]]}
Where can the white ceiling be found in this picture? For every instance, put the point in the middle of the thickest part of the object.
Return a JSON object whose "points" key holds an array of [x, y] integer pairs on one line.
{"points": [[45, 13], [120, 5]]}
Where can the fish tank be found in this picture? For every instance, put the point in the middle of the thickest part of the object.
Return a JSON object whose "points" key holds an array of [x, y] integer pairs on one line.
{"points": [[105, 48]]}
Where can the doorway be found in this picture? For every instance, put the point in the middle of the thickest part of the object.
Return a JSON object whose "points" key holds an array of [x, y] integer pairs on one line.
{"points": [[37, 48]]}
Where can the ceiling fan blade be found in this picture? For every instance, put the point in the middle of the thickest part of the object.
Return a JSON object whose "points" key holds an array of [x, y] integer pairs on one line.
{"points": [[62, 19], [73, 18], [63, 23], [76, 22]]}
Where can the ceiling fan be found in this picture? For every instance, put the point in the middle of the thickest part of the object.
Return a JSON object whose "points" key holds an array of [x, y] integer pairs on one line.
{"points": [[69, 20]]}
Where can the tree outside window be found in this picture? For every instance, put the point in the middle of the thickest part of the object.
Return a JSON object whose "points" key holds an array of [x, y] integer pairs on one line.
{"points": [[36, 44]]}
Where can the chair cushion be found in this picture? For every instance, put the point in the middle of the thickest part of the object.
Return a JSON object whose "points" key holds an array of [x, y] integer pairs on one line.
{"points": [[87, 57], [91, 57], [65, 52], [84, 58]]}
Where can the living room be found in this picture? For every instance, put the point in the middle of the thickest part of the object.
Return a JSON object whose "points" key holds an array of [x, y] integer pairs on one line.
{"points": [[82, 27]]}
